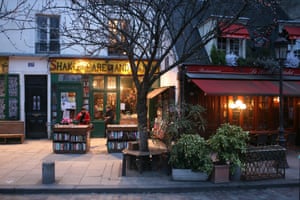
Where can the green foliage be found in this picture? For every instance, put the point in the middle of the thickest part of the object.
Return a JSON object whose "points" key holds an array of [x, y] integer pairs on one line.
{"points": [[180, 121], [191, 152], [229, 143], [217, 56]]}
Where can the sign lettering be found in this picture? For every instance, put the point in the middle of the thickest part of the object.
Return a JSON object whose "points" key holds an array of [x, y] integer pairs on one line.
{"points": [[80, 66]]}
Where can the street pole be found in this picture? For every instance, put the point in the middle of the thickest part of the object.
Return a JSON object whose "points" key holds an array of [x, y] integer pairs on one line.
{"points": [[281, 47], [281, 138]]}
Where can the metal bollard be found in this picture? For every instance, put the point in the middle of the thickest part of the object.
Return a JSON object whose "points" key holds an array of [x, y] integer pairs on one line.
{"points": [[48, 172]]}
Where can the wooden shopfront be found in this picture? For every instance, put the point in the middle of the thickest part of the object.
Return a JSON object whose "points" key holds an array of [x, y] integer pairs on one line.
{"points": [[9, 92], [94, 83], [244, 96]]}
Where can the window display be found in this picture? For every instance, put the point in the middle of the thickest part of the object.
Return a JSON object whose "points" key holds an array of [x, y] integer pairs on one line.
{"points": [[68, 104], [98, 82], [98, 105], [9, 97], [128, 99]]}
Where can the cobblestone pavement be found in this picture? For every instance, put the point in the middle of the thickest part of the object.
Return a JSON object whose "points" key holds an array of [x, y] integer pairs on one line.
{"points": [[251, 194]]}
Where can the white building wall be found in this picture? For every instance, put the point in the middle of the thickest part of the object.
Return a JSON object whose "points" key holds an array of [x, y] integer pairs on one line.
{"points": [[20, 38], [29, 66]]}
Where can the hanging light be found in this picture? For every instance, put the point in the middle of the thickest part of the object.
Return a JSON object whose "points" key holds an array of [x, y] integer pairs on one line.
{"points": [[281, 47]]}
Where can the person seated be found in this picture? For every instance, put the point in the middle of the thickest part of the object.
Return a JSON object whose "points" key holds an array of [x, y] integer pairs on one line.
{"points": [[83, 117]]}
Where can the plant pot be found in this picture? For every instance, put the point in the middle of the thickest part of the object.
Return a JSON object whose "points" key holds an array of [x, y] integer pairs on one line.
{"points": [[188, 175], [220, 173], [236, 175]]}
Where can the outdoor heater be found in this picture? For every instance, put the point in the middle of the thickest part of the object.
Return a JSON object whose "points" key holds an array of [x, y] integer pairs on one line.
{"points": [[281, 46]]}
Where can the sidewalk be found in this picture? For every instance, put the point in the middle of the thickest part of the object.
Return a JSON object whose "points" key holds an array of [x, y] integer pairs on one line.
{"points": [[98, 171]]}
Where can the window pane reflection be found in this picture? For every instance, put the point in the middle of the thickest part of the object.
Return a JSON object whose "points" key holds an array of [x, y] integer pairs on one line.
{"points": [[98, 82], [112, 99], [98, 105], [128, 99], [111, 82]]}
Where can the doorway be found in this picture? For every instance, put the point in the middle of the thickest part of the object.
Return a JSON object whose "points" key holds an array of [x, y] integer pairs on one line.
{"points": [[36, 106]]}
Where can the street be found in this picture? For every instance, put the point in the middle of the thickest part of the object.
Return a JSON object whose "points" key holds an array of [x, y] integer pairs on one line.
{"points": [[250, 194]]}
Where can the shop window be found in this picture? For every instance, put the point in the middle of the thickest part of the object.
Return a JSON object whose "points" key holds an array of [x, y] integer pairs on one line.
{"points": [[263, 111], [128, 98], [248, 113], [111, 82], [9, 97], [98, 82], [289, 114], [98, 105], [112, 99], [47, 40]]}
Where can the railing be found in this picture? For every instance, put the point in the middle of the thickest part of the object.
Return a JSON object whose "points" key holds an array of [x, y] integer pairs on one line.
{"points": [[264, 162]]}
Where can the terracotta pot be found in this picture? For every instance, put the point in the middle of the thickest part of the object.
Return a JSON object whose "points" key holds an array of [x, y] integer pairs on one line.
{"points": [[220, 173]]}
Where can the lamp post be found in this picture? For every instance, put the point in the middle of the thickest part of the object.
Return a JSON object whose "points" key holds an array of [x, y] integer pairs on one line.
{"points": [[281, 45]]}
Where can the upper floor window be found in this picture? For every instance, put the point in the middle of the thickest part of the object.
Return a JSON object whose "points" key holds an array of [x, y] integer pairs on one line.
{"points": [[231, 45], [116, 37], [232, 39], [295, 48], [47, 40]]}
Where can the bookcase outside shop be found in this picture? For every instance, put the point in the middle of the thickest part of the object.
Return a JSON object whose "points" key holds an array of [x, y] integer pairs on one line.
{"points": [[71, 138], [118, 136]]}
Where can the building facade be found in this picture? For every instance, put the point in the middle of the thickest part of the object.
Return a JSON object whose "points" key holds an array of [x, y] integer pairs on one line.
{"points": [[43, 80]]}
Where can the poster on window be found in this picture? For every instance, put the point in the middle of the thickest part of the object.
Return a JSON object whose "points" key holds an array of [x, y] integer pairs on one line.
{"points": [[68, 100]]}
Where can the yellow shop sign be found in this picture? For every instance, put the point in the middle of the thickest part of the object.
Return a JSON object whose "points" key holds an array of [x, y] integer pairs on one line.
{"points": [[3, 65], [82, 66]]}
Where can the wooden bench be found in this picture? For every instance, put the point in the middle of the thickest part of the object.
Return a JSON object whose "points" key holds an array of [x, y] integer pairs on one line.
{"points": [[11, 130]]}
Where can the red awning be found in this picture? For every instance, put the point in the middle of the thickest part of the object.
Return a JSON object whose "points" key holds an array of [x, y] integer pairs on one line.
{"points": [[291, 88], [234, 31], [247, 87], [294, 32]]}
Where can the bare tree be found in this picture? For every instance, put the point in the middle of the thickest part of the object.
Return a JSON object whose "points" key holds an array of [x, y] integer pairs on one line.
{"points": [[15, 16], [146, 32]]}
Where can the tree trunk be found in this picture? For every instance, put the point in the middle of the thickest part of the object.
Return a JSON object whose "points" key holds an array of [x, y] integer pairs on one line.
{"points": [[142, 120]]}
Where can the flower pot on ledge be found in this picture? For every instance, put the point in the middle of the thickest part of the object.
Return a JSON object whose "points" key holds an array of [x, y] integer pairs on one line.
{"points": [[220, 173], [188, 175]]}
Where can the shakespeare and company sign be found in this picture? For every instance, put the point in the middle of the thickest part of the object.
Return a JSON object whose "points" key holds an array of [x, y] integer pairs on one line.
{"points": [[91, 66]]}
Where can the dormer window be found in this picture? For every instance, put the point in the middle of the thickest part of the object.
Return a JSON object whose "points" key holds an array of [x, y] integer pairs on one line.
{"points": [[232, 39]]}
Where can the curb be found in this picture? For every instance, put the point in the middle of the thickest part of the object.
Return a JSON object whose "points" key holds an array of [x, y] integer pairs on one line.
{"points": [[180, 188]]}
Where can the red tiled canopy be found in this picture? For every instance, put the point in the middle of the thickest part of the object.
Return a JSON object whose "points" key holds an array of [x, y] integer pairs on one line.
{"points": [[234, 31], [294, 32]]}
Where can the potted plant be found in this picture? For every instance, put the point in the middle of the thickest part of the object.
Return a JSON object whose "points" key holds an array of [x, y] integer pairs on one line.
{"points": [[181, 120], [190, 159], [229, 143]]}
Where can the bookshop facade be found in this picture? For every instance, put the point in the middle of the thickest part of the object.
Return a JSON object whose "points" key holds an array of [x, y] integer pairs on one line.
{"points": [[94, 83]]}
